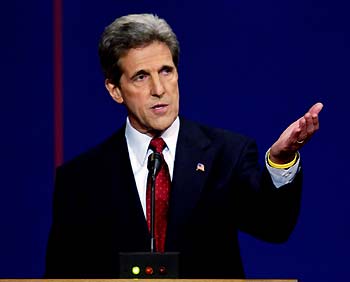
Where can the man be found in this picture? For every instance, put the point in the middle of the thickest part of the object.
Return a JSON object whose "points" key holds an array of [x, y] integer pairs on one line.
{"points": [[101, 204]]}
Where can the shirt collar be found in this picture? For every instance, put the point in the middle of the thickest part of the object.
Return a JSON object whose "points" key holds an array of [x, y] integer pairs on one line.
{"points": [[139, 142]]}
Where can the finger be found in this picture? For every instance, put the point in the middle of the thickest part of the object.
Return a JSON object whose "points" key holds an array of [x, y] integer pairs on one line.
{"points": [[309, 123], [302, 124], [301, 132], [316, 109], [315, 122]]}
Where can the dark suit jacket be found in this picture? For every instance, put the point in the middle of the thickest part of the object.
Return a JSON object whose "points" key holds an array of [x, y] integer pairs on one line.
{"points": [[97, 211]]}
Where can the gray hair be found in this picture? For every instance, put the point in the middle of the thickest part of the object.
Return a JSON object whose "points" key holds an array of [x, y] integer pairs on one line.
{"points": [[133, 31]]}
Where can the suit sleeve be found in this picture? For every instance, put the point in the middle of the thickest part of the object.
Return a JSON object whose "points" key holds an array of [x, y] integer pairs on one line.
{"points": [[69, 245], [265, 211], [59, 258]]}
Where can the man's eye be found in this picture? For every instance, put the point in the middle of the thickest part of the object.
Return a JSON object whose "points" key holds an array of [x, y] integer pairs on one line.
{"points": [[140, 77], [166, 71]]}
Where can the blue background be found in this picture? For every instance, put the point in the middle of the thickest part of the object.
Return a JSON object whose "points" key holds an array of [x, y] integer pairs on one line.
{"points": [[248, 66]]}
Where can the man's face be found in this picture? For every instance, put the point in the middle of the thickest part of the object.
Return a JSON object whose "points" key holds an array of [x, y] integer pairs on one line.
{"points": [[148, 88]]}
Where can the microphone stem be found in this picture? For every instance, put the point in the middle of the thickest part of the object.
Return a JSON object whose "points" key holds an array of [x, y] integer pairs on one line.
{"points": [[153, 201]]}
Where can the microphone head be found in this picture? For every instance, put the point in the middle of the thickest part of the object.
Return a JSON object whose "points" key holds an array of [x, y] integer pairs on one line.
{"points": [[154, 163]]}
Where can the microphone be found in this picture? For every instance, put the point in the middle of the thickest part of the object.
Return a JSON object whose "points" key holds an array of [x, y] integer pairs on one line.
{"points": [[150, 264], [153, 165]]}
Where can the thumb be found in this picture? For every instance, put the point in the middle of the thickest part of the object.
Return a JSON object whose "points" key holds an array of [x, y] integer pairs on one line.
{"points": [[316, 109]]}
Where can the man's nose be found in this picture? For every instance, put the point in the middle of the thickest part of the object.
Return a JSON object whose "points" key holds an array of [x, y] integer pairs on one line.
{"points": [[157, 88]]}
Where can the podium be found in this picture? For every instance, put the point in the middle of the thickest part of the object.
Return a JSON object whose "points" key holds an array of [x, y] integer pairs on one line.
{"points": [[153, 280]]}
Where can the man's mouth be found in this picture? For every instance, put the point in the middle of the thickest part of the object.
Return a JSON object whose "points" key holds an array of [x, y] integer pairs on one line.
{"points": [[160, 109], [159, 106]]}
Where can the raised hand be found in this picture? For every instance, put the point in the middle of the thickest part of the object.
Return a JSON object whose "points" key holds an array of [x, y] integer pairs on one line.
{"points": [[296, 136]]}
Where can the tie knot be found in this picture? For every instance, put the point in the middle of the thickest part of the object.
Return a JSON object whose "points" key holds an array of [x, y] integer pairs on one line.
{"points": [[157, 144]]}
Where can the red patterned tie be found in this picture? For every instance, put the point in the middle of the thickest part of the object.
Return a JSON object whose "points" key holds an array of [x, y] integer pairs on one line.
{"points": [[162, 189]]}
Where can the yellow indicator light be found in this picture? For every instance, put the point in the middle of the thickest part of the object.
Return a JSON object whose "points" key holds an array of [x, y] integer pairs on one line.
{"points": [[135, 270]]}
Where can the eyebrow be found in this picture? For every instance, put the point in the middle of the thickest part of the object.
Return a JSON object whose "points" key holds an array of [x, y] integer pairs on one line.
{"points": [[138, 73], [167, 67], [146, 72]]}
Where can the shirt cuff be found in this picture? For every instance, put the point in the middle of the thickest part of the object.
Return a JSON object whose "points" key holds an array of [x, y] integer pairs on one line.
{"points": [[281, 176]]}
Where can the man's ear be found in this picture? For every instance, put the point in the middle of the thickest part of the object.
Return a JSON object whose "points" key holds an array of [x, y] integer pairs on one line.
{"points": [[114, 91]]}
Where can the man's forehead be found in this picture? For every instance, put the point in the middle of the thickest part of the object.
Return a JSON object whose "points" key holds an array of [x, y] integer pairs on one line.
{"points": [[151, 56]]}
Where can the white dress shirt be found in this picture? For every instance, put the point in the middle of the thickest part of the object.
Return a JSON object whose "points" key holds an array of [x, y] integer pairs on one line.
{"points": [[139, 152], [138, 144]]}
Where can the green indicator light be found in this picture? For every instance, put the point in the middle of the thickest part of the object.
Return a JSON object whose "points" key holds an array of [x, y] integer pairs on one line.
{"points": [[135, 270]]}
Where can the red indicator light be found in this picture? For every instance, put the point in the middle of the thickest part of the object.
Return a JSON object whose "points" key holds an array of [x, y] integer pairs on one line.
{"points": [[162, 270], [149, 270]]}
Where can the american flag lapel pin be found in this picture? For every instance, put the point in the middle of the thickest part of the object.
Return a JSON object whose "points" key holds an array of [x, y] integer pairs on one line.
{"points": [[200, 167]]}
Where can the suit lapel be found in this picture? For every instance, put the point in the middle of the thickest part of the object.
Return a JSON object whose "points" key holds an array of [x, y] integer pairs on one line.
{"points": [[188, 181], [125, 198], [193, 148]]}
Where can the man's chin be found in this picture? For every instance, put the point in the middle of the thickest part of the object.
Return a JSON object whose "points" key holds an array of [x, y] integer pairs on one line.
{"points": [[158, 129]]}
